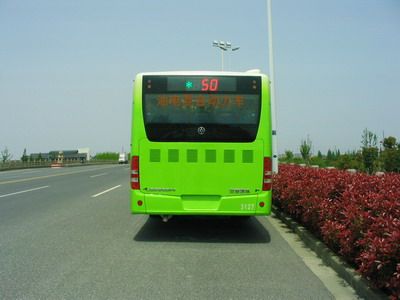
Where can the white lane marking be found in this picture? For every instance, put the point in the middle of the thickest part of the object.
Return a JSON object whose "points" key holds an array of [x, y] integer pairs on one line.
{"points": [[97, 175], [25, 191], [30, 172], [54, 175], [106, 191]]}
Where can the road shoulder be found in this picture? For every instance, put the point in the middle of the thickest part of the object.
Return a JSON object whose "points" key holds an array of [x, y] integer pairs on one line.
{"points": [[338, 287], [329, 259]]}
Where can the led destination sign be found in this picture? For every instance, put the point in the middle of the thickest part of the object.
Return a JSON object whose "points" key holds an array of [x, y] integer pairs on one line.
{"points": [[199, 100], [227, 107], [201, 84]]}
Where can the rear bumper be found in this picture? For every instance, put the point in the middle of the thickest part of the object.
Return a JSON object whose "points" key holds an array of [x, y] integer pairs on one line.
{"points": [[243, 205]]}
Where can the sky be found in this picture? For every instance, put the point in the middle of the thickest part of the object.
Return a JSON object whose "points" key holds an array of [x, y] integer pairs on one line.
{"points": [[67, 67]]}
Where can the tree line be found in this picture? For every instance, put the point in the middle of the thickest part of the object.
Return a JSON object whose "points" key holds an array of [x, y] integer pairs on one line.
{"points": [[370, 157], [6, 156]]}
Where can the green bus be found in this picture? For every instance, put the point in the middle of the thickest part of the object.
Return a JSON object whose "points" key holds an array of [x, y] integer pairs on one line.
{"points": [[201, 144]]}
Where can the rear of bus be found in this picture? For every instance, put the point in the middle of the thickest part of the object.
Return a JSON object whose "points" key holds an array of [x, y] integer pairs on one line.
{"points": [[201, 144]]}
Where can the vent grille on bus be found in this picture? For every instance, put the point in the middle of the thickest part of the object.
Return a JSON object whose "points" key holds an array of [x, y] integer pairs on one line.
{"points": [[155, 155], [211, 156], [229, 156], [207, 155], [173, 155], [191, 155]]}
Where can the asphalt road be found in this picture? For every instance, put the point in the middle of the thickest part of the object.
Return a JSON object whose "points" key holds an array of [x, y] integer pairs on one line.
{"points": [[68, 234]]}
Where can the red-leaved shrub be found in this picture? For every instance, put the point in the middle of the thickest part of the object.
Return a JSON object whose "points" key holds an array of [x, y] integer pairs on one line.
{"points": [[356, 215]]}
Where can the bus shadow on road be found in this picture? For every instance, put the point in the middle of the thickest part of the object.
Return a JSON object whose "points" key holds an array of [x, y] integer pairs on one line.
{"points": [[203, 230]]}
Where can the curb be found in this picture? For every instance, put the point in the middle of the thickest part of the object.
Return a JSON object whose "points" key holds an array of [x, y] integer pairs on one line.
{"points": [[343, 269]]}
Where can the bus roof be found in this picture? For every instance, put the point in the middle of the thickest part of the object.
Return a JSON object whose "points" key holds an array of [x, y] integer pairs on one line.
{"points": [[207, 73]]}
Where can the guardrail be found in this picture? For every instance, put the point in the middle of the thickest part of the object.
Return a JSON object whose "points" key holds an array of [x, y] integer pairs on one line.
{"points": [[15, 165]]}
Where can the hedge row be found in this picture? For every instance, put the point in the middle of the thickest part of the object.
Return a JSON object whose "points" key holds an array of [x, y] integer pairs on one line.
{"points": [[356, 215]]}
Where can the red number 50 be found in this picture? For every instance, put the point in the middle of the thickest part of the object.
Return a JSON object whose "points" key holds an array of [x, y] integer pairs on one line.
{"points": [[209, 85]]}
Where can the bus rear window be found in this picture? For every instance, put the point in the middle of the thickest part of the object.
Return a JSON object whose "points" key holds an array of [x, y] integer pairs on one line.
{"points": [[203, 116]]}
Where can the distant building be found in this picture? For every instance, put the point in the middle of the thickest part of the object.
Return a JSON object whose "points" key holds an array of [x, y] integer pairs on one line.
{"points": [[85, 151], [81, 155]]}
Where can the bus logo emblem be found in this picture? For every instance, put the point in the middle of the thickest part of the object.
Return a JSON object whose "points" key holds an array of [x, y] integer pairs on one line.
{"points": [[201, 130]]}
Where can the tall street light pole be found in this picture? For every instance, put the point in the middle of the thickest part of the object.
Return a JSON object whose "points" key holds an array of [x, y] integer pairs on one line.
{"points": [[224, 46], [273, 99], [222, 58], [230, 59]]}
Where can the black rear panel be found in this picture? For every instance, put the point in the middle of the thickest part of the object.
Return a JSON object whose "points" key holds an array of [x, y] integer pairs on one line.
{"points": [[201, 108]]}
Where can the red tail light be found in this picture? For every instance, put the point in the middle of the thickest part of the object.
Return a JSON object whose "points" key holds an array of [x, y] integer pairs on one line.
{"points": [[135, 184], [267, 177]]}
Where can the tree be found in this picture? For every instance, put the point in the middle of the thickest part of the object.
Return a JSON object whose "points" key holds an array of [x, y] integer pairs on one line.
{"points": [[305, 149], [288, 155], [369, 150], [391, 155], [319, 155], [389, 143], [107, 156], [348, 161], [52, 155], [5, 155], [330, 156], [368, 139], [24, 157]]}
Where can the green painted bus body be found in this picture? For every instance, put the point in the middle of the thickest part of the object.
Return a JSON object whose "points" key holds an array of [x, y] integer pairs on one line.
{"points": [[201, 178]]}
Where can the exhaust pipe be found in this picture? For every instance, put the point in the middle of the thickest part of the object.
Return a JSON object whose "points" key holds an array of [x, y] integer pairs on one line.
{"points": [[165, 218]]}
